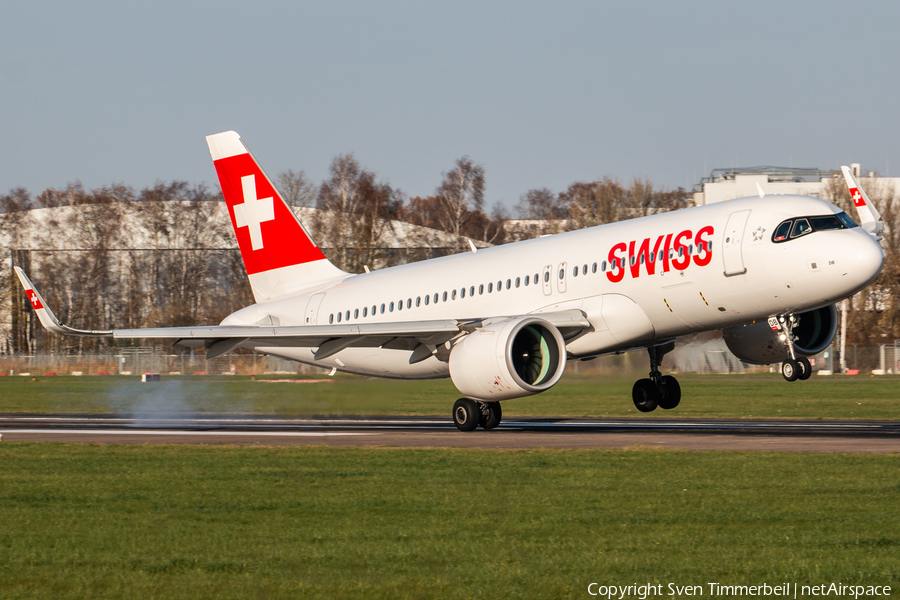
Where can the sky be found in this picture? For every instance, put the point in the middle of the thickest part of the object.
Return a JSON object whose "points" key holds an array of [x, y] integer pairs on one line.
{"points": [[541, 94]]}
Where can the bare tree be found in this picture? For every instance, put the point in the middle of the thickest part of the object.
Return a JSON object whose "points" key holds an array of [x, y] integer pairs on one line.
{"points": [[667, 200], [355, 212], [638, 200], [296, 189], [15, 205], [460, 196], [72, 195], [86, 280], [538, 212], [642, 198], [425, 240], [596, 203], [430, 212], [490, 229], [606, 201], [540, 204], [186, 234]]}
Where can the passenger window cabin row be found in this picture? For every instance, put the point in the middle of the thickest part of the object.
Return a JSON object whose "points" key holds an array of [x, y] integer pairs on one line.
{"points": [[490, 288], [436, 298]]}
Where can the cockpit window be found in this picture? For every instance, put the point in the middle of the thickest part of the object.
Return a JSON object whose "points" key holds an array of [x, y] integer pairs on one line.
{"points": [[782, 232], [801, 227], [847, 220], [825, 223]]}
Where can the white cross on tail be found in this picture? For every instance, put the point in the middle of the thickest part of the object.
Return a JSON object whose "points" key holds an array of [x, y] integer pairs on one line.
{"points": [[253, 211]]}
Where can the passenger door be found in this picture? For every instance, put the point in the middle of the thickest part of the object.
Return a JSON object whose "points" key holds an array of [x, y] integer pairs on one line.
{"points": [[312, 308], [732, 241]]}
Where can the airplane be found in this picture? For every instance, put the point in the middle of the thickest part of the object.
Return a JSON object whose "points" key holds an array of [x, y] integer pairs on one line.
{"points": [[502, 322]]}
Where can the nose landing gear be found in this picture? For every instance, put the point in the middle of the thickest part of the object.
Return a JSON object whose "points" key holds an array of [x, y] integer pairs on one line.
{"points": [[659, 390], [793, 368]]}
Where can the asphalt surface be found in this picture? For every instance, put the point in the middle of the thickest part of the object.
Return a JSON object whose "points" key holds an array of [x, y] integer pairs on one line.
{"points": [[687, 434]]}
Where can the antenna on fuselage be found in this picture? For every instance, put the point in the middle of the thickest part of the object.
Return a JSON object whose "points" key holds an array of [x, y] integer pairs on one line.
{"points": [[759, 189]]}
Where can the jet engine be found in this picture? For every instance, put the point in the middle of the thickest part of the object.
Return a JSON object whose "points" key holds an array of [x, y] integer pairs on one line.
{"points": [[509, 359], [757, 343]]}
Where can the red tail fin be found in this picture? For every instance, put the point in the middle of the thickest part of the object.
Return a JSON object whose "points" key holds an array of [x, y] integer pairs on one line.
{"points": [[279, 255]]}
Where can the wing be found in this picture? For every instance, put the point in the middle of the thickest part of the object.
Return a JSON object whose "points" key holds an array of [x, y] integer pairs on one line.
{"points": [[420, 337]]}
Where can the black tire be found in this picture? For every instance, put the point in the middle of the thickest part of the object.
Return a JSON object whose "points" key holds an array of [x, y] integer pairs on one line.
{"points": [[790, 369], [492, 419], [466, 414], [645, 395], [805, 368], [670, 393]]}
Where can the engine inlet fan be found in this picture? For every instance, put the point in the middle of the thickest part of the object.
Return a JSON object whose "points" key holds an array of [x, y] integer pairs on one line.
{"points": [[530, 354]]}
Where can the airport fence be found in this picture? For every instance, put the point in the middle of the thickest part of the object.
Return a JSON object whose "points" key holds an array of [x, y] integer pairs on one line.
{"points": [[707, 357], [136, 361]]}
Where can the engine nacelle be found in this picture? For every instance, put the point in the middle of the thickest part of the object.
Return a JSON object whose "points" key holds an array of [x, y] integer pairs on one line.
{"points": [[510, 359], [757, 343]]}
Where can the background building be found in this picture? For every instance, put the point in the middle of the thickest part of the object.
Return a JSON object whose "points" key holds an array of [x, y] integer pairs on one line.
{"points": [[728, 184]]}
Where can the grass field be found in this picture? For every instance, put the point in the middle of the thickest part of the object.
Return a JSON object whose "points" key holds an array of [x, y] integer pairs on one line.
{"points": [[79, 521], [575, 396]]}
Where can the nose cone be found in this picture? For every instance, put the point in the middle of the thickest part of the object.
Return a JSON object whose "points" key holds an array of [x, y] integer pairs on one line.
{"points": [[864, 260]]}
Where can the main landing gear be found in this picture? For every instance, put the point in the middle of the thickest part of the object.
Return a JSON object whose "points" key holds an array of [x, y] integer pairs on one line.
{"points": [[793, 368], [469, 414], [659, 390]]}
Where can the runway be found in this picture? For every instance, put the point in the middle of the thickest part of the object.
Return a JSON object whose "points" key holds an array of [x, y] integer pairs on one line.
{"points": [[404, 431]]}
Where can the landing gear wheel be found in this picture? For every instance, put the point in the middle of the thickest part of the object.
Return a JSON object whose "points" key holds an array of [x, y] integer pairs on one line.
{"points": [[645, 395], [493, 416], [669, 393], [790, 369], [805, 368], [466, 414]]}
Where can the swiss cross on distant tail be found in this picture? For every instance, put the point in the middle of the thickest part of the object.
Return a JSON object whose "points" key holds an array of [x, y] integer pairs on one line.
{"points": [[857, 197], [35, 301]]}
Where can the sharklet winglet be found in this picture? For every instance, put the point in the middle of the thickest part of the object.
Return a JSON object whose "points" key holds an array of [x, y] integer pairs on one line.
{"points": [[46, 316]]}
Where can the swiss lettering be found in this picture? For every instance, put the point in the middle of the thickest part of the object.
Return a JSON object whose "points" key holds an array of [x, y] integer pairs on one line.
{"points": [[673, 251]]}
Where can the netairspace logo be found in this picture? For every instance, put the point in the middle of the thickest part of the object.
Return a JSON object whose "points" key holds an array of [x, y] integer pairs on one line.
{"points": [[715, 590]]}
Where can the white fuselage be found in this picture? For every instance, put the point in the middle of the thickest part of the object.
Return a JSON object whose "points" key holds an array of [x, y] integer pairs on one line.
{"points": [[739, 277]]}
